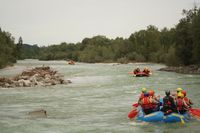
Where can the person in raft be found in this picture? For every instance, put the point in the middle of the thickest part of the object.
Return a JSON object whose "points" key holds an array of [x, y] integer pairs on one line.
{"points": [[169, 105], [137, 70], [186, 99], [155, 102], [143, 90], [146, 70], [182, 106], [178, 90], [147, 101]]}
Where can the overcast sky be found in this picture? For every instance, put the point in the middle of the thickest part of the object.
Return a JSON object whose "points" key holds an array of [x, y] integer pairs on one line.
{"points": [[46, 22]]}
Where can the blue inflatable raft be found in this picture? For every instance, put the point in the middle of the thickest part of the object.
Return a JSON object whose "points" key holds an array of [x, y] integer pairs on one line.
{"points": [[160, 117]]}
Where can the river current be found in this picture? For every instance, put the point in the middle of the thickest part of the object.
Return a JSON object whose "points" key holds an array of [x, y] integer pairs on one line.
{"points": [[97, 101]]}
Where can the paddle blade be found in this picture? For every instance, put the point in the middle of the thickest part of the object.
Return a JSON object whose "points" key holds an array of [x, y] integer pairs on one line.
{"points": [[135, 105], [130, 72], [195, 109], [132, 114], [195, 112]]}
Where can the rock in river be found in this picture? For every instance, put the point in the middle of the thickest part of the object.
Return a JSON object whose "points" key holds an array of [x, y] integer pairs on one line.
{"points": [[39, 76]]}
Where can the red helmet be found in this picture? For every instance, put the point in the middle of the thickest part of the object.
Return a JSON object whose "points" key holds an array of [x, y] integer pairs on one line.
{"points": [[151, 93], [184, 92]]}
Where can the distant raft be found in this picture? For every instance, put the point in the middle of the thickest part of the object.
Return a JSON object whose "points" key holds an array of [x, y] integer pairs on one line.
{"points": [[71, 62], [140, 74]]}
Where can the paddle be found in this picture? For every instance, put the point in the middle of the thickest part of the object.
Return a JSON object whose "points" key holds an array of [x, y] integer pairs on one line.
{"points": [[195, 109], [195, 112], [130, 72], [135, 105], [132, 114]]}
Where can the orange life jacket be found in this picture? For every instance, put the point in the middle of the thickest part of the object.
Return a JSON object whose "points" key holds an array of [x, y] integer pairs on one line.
{"points": [[146, 104]]}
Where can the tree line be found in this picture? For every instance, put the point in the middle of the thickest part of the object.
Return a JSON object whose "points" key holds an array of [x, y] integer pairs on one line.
{"points": [[8, 50], [176, 46]]}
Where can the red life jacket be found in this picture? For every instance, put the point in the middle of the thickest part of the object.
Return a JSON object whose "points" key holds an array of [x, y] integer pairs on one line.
{"points": [[142, 95], [146, 103], [180, 104]]}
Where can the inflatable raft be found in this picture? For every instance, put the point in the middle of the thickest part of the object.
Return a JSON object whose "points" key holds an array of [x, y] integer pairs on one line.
{"points": [[139, 74], [160, 117]]}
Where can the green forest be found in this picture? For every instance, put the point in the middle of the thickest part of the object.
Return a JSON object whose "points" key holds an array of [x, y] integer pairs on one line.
{"points": [[8, 49], [177, 46]]}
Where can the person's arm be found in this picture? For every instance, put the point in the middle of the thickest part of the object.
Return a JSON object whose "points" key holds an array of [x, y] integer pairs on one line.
{"points": [[139, 100], [185, 105], [157, 99], [190, 102]]}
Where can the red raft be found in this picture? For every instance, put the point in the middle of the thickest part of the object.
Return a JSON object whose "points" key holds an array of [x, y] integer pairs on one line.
{"points": [[140, 74]]}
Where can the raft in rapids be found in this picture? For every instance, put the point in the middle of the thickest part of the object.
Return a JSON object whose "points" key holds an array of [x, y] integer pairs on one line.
{"points": [[159, 116]]}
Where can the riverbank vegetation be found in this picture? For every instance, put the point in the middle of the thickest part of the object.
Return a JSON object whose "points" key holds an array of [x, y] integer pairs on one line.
{"points": [[7, 49], [177, 46]]}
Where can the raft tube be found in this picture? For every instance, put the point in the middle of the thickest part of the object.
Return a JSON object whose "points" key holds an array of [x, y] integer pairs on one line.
{"points": [[141, 74], [159, 116]]}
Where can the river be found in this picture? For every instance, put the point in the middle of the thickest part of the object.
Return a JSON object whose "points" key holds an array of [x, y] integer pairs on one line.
{"points": [[97, 101]]}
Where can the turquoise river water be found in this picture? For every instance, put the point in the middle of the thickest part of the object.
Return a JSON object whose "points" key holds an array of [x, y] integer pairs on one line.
{"points": [[97, 101]]}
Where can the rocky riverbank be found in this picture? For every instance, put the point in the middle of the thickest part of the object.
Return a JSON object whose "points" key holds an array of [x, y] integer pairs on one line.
{"points": [[39, 76], [192, 69]]}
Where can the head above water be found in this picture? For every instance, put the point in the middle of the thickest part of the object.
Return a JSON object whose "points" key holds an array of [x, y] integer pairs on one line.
{"points": [[167, 93]]}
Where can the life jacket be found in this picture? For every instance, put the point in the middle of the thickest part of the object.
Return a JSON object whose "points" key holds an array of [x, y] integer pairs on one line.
{"points": [[180, 104], [146, 104], [142, 95]]}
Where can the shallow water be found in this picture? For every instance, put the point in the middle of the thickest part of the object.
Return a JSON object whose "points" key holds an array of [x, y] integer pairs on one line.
{"points": [[98, 100]]}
